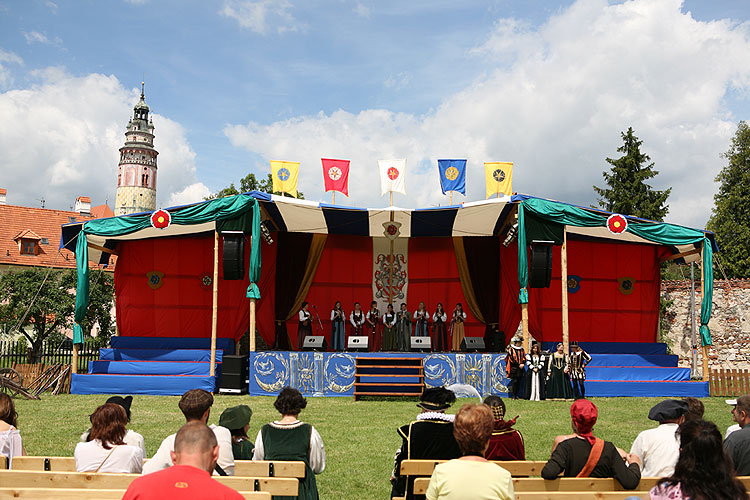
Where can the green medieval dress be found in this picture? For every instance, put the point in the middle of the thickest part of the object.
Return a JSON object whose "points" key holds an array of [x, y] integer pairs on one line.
{"points": [[291, 443]]}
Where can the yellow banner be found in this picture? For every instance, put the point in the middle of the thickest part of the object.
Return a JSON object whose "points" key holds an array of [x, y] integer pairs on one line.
{"points": [[284, 174], [499, 177]]}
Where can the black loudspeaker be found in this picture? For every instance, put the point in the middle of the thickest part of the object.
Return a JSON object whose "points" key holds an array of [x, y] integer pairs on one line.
{"points": [[234, 374], [421, 344], [233, 256], [358, 343], [540, 268], [314, 343], [472, 344]]}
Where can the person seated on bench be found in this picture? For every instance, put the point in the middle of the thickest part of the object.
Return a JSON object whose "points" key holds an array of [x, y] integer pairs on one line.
{"points": [[695, 408], [11, 444], [196, 404], [292, 439], [131, 437], [584, 455], [430, 436], [195, 455], [106, 451], [703, 470], [472, 475], [659, 448], [237, 420], [506, 443]]}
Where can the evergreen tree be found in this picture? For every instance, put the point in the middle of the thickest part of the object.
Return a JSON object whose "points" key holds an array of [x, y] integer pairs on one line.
{"points": [[250, 183], [627, 192], [730, 219]]}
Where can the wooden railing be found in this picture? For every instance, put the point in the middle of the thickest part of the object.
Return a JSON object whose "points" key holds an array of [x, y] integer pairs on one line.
{"points": [[729, 382]]}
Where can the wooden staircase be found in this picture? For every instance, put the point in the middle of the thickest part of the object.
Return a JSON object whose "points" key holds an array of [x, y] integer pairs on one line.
{"points": [[388, 377]]}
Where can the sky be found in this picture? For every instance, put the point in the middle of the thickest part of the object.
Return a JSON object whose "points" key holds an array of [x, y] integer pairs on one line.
{"points": [[232, 84]]}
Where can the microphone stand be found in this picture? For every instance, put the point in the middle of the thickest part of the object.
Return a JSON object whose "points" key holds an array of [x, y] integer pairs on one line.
{"points": [[320, 324]]}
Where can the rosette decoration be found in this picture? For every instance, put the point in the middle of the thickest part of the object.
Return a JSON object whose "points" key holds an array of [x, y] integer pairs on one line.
{"points": [[161, 219], [617, 224]]}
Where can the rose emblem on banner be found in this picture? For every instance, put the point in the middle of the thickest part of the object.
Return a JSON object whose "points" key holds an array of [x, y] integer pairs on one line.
{"points": [[161, 219], [155, 279], [392, 173], [451, 173], [283, 174], [627, 285], [617, 224], [498, 175], [392, 230], [334, 173]]}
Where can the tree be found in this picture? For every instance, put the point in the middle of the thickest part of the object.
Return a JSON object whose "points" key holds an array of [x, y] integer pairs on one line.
{"points": [[627, 192], [730, 218], [40, 303], [250, 183]]}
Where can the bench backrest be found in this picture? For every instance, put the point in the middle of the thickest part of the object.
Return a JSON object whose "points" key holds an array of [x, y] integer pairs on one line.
{"points": [[91, 494], [517, 468]]}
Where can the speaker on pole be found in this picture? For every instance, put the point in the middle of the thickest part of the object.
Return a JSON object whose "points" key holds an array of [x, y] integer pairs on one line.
{"points": [[233, 255], [540, 268], [358, 343], [421, 344], [314, 343], [472, 344]]}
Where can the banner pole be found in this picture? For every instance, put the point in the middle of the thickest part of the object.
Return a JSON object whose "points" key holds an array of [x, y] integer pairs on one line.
{"points": [[564, 286], [215, 314], [451, 192], [391, 197], [333, 197]]}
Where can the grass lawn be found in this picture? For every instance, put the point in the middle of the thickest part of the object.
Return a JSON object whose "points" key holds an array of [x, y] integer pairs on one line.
{"points": [[360, 438]]}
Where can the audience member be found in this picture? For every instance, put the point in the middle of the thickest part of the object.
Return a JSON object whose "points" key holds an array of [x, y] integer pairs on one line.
{"points": [[10, 438], [472, 475], [587, 456], [737, 444], [659, 448], [131, 437], [734, 427], [106, 451], [237, 420], [195, 455], [430, 436], [292, 439], [196, 404], [506, 443], [703, 470], [695, 409]]}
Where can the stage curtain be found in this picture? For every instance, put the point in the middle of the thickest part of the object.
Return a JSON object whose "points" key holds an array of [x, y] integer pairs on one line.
{"points": [[264, 310], [317, 245], [466, 283]]}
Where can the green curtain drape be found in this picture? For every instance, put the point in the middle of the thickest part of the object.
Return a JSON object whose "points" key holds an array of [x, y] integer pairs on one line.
{"points": [[218, 210], [662, 233]]}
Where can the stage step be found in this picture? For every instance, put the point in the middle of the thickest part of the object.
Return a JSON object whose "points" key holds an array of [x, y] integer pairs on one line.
{"points": [[159, 355], [668, 360], [156, 385], [152, 367], [638, 373], [171, 343], [645, 388], [388, 376], [615, 347]]}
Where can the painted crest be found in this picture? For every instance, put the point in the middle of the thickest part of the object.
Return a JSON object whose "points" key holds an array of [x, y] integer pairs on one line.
{"points": [[627, 285], [283, 174], [161, 219], [451, 173], [391, 229], [498, 175], [617, 224], [393, 173], [207, 281], [155, 279], [334, 173], [574, 283], [384, 266]]}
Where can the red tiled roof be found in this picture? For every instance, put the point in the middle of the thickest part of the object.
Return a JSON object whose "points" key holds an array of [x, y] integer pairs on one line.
{"points": [[84, 199], [27, 234], [101, 212]]}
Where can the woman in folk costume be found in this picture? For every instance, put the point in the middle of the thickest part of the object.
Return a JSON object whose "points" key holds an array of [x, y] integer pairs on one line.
{"points": [[558, 380], [457, 327], [514, 363], [403, 329], [338, 330], [506, 442], [372, 326], [305, 325], [439, 319], [421, 317], [357, 319], [389, 329], [292, 439], [536, 373]]}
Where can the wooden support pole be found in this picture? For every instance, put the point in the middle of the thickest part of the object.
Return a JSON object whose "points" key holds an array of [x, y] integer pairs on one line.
{"points": [[525, 325], [333, 197], [564, 286], [451, 192], [391, 197], [706, 374], [215, 315], [251, 331], [74, 363]]}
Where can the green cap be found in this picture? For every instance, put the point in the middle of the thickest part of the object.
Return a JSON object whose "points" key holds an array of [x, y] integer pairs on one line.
{"points": [[236, 417]]}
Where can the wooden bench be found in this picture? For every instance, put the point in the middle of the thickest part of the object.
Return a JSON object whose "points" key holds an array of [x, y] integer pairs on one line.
{"points": [[91, 494], [517, 468]]}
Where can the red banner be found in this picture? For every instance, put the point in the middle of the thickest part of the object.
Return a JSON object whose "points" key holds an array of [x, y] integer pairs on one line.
{"points": [[336, 175]]}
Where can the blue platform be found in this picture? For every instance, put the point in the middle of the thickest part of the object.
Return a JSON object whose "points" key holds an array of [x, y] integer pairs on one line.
{"points": [[615, 347], [155, 385], [120, 342], [158, 354]]}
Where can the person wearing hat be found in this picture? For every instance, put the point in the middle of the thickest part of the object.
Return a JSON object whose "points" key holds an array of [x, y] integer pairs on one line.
{"points": [[430, 436], [131, 438], [577, 369], [514, 363], [737, 444], [237, 420], [584, 455], [506, 443], [659, 448]]}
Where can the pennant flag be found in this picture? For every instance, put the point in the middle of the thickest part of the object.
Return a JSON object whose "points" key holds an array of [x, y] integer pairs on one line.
{"points": [[499, 176], [452, 175], [392, 173], [336, 175], [284, 174]]}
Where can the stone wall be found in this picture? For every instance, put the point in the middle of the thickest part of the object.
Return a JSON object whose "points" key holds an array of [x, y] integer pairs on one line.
{"points": [[730, 323]]}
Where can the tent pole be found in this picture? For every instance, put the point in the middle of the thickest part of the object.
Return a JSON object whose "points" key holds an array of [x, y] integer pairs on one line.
{"points": [[251, 330], [693, 337], [391, 197], [525, 325], [451, 192], [703, 295], [564, 287], [215, 315], [333, 197], [74, 362]]}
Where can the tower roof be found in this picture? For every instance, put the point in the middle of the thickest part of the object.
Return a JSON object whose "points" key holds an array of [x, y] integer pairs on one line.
{"points": [[142, 103]]}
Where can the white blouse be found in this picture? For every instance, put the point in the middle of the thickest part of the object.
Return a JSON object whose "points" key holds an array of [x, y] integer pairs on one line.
{"points": [[418, 313], [390, 322], [304, 316], [333, 314], [122, 459], [11, 445], [359, 320], [442, 317], [131, 437]]}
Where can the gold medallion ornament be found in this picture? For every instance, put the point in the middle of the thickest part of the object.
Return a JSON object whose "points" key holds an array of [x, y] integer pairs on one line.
{"points": [[451, 173]]}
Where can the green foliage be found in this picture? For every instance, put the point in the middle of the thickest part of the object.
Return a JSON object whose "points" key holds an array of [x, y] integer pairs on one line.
{"points": [[627, 192], [251, 183], [730, 219]]}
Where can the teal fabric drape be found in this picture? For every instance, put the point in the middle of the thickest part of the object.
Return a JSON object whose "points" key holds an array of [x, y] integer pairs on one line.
{"points": [[662, 233], [214, 210]]}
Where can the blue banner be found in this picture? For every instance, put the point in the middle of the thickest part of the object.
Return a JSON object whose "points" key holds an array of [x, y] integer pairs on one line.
{"points": [[452, 175]]}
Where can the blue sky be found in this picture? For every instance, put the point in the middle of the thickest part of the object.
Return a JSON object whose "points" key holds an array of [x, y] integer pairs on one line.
{"points": [[235, 83]]}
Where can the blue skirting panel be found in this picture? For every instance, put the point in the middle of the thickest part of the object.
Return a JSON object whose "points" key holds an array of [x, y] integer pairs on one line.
{"points": [[119, 342], [616, 347], [159, 355], [150, 367], [644, 373], [156, 385], [669, 360], [596, 388]]}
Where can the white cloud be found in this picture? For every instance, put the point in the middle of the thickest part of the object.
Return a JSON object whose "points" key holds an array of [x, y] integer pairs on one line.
{"points": [[36, 37], [362, 10], [6, 78], [192, 193], [399, 81], [554, 100], [262, 16], [136, 2], [52, 6], [61, 139]]}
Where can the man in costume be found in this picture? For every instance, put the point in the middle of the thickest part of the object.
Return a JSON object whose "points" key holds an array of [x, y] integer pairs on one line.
{"points": [[514, 362], [659, 448], [430, 436], [506, 443], [577, 366]]}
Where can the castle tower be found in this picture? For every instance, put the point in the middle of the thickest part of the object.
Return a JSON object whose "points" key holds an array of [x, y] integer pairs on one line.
{"points": [[136, 176]]}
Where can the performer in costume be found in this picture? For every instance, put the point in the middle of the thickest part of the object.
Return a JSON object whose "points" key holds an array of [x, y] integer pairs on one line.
{"points": [[429, 437], [514, 362], [457, 327], [536, 373], [305, 325], [403, 329], [558, 379], [421, 316], [338, 330], [357, 319], [389, 329], [577, 364], [439, 331], [372, 326], [506, 442]]}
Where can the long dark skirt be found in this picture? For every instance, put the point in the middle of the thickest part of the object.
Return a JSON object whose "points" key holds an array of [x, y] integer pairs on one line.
{"points": [[558, 386]]}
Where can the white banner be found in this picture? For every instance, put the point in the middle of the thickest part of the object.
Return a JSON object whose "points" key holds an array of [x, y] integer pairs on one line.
{"points": [[392, 175], [385, 284]]}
